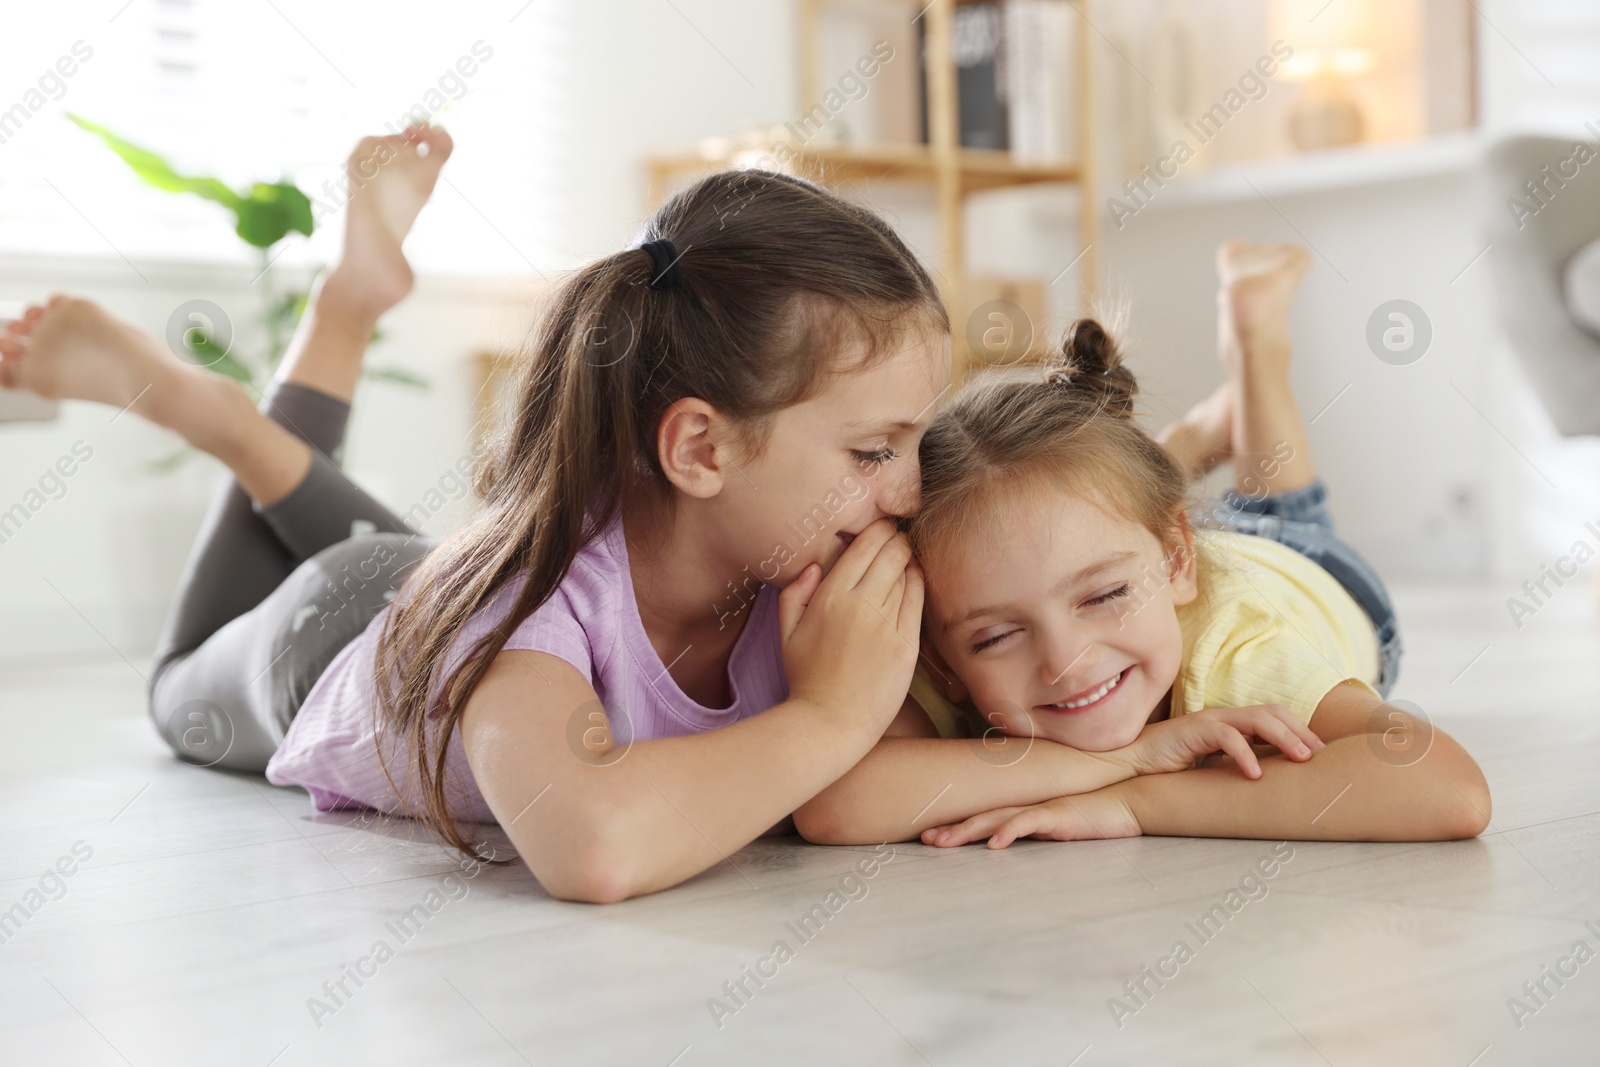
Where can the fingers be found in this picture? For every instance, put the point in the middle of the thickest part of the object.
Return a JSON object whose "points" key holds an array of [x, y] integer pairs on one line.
{"points": [[1028, 821], [795, 598], [910, 621], [1283, 737], [874, 562], [886, 571], [1234, 744], [1298, 726], [859, 555], [968, 830], [1278, 726]]}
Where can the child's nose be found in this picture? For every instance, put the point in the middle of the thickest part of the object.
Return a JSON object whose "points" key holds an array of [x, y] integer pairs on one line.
{"points": [[1066, 660]]}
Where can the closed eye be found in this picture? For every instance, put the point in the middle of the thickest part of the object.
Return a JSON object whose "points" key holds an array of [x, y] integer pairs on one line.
{"points": [[1104, 598], [881, 456], [990, 642], [1107, 597]]}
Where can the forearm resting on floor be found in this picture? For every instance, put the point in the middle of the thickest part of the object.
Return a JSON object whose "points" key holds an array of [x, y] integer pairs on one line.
{"points": [[906, 784], [1354, 789]]}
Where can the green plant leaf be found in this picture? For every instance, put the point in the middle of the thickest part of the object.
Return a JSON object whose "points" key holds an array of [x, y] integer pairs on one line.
{"points": [[288, 308], [270, 211], [172, 460], [230, 367], [214, 357], [396, 376], [157, 171], [263, 216]]}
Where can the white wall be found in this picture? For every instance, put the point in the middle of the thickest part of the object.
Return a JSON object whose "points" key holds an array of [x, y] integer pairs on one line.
{"points": [[1403, 452], [648, 76], [639, 77], [114, 543], [1423, 484]]}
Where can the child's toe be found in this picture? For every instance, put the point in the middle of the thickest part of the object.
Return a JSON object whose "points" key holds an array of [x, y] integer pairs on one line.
{"points": [[439, 142]]}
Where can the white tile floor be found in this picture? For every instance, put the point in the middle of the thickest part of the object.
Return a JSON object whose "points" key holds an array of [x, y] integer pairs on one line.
{"points": [[213, 908]]}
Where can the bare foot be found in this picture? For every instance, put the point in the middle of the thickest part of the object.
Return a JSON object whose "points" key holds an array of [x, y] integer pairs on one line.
{"points": [[1203, 438], [71, 349], [1258, 284], [390, 179], [1269, 441]]}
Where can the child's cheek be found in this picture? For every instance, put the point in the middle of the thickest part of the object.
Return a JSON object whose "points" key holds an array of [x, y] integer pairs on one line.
{"points": [[1165, 655]]}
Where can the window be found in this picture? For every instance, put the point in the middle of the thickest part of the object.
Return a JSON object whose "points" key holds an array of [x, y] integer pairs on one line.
{"points": [[253, 90]]}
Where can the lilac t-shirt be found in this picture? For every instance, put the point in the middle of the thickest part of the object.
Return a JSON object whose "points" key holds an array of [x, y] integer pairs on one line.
{"points": [[591, 621]]}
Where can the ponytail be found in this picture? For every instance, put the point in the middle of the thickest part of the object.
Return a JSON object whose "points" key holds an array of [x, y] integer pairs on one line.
{"points": [[747, 315]]}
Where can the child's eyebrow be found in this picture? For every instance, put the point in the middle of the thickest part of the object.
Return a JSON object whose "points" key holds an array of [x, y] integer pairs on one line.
{"points": [[1075, 578], [882, 424]]}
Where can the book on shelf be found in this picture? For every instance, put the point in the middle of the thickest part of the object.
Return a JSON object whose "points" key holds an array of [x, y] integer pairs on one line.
{"points": [[1014, 62], [1040, 66], [977, 42]]}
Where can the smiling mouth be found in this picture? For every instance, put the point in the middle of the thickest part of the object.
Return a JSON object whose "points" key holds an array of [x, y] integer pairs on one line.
{"points": [[1090, 697]]}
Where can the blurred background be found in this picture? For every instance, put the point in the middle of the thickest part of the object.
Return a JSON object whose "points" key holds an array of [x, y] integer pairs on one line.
{"points": [[1042, 156]]}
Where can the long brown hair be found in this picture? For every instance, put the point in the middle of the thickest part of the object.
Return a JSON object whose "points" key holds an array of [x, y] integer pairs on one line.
{"points": [[773, 274], [1070, 421]]}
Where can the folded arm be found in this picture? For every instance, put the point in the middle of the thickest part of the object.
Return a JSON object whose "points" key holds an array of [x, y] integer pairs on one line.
{"points": [[913, 779], [1362, 786], [600, 823]]}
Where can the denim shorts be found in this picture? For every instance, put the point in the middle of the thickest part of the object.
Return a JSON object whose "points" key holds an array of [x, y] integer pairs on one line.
{"points": [[1300, 519]]}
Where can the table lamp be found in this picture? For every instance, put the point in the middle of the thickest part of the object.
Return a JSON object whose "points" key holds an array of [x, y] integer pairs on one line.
{"points": [[1331, 41]]}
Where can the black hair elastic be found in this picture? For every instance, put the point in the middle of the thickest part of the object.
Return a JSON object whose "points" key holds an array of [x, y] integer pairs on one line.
{"points": [[664, 254]]}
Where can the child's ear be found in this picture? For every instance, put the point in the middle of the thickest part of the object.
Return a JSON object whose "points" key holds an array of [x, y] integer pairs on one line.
{"points": [[943, 677], [1181, 562], [687, 440]]}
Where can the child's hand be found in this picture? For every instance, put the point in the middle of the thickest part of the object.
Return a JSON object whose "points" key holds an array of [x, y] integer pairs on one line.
{"points": [[1085, 817], [1175, 745], [850, 639]]}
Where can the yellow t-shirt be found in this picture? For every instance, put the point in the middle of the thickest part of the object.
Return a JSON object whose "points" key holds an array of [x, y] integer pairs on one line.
{"points": [[1269, 627]]}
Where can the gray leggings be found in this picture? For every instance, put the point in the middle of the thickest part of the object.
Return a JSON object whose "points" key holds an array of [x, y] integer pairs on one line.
{"points": [[270, 595]]}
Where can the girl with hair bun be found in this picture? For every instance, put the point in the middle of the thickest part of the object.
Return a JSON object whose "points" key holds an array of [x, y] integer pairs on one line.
{"points": [[1076, 599]]}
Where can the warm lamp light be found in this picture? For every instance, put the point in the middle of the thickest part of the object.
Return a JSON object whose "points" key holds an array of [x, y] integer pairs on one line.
{"points": [[1314, 63], [1330, 41]]}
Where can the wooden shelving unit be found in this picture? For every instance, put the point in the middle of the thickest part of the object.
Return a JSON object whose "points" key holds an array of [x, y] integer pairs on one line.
{"points": [[953, 171], [977, 169]]}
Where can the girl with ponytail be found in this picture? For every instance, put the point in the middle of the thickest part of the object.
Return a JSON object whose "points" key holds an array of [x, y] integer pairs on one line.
{"points": [[1077, 603], [601, 659]]}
